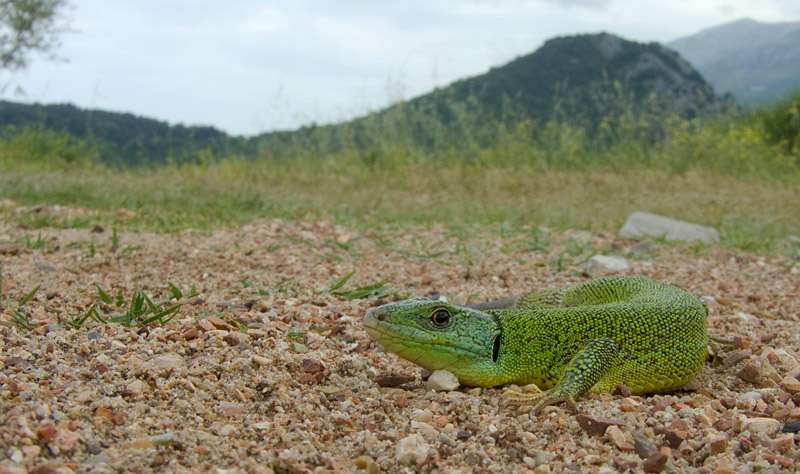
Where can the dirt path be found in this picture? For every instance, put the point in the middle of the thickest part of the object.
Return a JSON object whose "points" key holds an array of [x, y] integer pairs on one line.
{"points": [[296, 391]]}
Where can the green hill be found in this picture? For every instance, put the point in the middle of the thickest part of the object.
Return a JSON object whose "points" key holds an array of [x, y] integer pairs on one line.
{"points": [[583, 81], [757, 62], [121, 138]]}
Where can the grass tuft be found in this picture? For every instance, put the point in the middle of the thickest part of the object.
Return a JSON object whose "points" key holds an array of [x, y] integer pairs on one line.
{"points": [[377, 290]]}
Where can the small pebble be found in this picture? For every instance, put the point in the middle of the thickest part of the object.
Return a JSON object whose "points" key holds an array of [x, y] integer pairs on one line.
{"points": [[655, 462], [442, 381], [616, 436], [227, 430], [136, 387], [596, 426], [97, 459], [168, 362], [643, 446], [16, 455], [791, 427], [761, 425], [751, 372], [600, 265], [367, 464], [411, 448], [162, 439], [45, 268], [393, 380], [42, 411], [312, 366]]}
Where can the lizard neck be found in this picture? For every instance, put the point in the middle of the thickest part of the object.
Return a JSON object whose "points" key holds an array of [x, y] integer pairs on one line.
{"points": [[527, 344]]}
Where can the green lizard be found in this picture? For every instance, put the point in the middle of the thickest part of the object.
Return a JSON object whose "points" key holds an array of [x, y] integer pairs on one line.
{"points": [[593, 336]]}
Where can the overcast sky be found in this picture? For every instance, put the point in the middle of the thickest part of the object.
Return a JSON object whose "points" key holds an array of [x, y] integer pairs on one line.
{"points": [[250, 66]]}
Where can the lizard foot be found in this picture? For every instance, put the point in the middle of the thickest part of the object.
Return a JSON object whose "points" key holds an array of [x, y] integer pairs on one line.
{"points": [[541, 399]]}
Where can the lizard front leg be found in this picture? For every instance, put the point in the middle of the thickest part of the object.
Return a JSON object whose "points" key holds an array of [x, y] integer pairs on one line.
{"points": [[583, 372]]}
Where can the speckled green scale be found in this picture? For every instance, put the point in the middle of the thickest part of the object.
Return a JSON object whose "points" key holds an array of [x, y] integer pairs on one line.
{"points": [[644, 333]]}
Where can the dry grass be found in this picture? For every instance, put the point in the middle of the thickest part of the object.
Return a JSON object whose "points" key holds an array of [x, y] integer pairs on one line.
{"points": [[751, 212]]}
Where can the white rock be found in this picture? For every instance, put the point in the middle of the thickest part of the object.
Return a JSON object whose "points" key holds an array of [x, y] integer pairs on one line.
{"points": [[645, 224], [761, 425], [600, 265], [422, 415], [16, 456], [163, 439], [442, 381], [529, 461], [750, 395], [410, 448], [42, 411], [137, 387], [228, 430], [425, 429], [581, 236], [616, 436], [168, 362], [791, 384]]}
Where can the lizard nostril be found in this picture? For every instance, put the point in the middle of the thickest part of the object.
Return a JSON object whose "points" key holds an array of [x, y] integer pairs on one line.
{"points": [[376, 315]]}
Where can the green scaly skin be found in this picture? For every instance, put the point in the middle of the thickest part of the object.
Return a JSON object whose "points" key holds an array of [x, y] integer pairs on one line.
{"points": [[646, 334]]}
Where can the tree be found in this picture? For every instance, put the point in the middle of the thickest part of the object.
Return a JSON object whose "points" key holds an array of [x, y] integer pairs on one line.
{"points": [[28, 26]]}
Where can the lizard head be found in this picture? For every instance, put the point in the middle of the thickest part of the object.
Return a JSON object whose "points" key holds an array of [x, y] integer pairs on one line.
{"points": [[437, 335]]}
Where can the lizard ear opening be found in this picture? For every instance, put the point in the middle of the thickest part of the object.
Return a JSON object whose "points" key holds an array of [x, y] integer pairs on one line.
{"points": [[496, 348]]}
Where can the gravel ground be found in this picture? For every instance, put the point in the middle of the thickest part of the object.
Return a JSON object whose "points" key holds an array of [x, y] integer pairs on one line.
{"points": [[265, 370]]}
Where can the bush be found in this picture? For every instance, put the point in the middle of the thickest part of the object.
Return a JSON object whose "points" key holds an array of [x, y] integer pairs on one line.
{"points": [[781, 123]]}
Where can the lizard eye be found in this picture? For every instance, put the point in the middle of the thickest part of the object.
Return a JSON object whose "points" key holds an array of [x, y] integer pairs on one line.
{"points": [[441, 318]]}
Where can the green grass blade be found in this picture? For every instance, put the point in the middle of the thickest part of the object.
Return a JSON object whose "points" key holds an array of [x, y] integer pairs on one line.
{"points": [[174, 291], [29, 296], [103, 295], [151, 307], [21, 320], [376, 289], [340, 283], [161, 315], [137, 302], [95, 315]]}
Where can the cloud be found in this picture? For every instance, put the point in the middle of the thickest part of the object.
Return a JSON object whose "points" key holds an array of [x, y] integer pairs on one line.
{"points": [[253, 65], [592, 4]]}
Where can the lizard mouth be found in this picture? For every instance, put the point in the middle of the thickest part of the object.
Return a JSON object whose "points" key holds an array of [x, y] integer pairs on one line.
{"points": [[408, 342]]}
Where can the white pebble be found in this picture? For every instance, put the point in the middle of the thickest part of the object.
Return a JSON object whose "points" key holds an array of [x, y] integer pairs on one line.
{"points": [[410, 448], [168, 362], [137, 387], [422, 415], [228, 430], [761, 425], [425, 429], [442, 381], [600, 265], [42, 411]]}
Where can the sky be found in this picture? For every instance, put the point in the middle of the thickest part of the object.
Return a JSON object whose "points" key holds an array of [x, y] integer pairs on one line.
{"points": [[251, 66]]}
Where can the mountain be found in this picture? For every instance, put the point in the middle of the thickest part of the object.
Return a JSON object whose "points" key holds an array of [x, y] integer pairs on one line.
{"points": [[121, 138], [757, 62], [574, 72], [582, 80]]}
